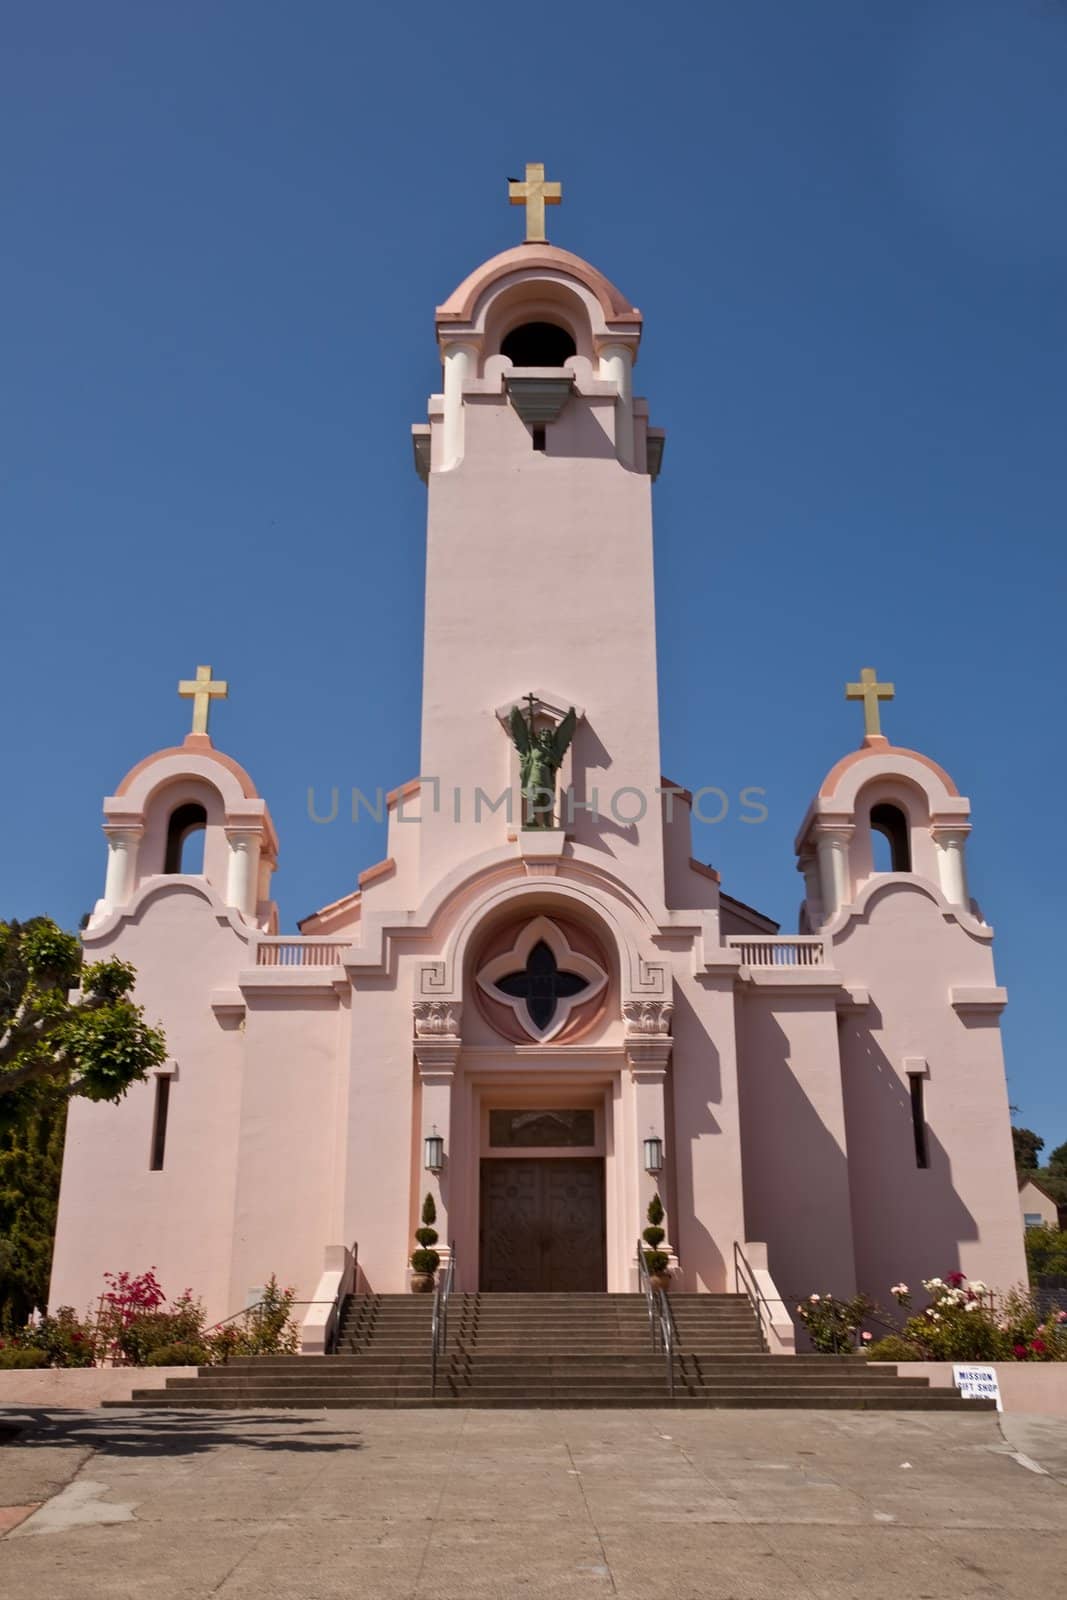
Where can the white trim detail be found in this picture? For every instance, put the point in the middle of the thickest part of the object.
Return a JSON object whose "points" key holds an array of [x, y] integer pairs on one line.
{"points": [[567, 960]]}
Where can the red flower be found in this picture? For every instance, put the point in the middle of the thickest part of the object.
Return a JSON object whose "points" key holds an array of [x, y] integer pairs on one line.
{"points": [[954, 1279], [1019, 1351], [1038, 1346]]}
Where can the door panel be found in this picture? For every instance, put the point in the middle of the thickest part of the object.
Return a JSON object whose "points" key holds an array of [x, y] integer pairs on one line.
{"points": [[542, 1225]]}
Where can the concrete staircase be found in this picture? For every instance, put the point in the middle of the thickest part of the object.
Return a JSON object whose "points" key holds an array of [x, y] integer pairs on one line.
{"points": [[550, 1350]]}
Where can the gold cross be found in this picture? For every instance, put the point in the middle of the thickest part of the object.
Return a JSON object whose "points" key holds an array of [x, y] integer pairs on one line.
{"points": [[202, 690], [870, 691], [535, 194]]}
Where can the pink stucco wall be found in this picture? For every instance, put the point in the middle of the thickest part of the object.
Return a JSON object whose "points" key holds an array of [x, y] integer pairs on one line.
{"points": [[960, 1214]]}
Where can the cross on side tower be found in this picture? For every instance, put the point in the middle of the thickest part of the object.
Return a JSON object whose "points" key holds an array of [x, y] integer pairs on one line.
{"points": [[201, 690], [870, 691], [535, 194]]}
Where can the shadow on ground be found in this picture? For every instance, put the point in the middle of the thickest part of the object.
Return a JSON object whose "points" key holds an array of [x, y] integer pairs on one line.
{"points": [[165, 1433]]}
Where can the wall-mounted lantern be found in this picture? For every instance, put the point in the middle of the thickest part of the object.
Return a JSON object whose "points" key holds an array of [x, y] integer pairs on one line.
{"points": [[654, 1156], [433, 1151]]}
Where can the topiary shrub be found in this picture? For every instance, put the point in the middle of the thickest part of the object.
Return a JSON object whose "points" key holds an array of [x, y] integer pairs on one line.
{"points": [[656, 1260], [425, 1260], [893, 1347]]}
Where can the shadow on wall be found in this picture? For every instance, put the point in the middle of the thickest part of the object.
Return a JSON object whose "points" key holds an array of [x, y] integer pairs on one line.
{"points": [[595, 830], [908, 1220], [795, 1173], [579, 433], [695, 1092]]}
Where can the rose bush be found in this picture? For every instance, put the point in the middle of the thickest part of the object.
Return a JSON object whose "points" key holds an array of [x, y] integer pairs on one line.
{"points": [[833, 1324], [965, 1321], [136, 1326]]}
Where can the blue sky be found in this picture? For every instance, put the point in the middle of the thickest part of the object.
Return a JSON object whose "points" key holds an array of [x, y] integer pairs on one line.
{"points": [[225, 230]]}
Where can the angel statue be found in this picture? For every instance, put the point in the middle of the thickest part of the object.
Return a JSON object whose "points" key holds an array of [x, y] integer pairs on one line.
{"points": [[541, 753]]}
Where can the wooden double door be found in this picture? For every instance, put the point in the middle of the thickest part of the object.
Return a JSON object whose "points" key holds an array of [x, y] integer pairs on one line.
{"points": [[542, 1224]]}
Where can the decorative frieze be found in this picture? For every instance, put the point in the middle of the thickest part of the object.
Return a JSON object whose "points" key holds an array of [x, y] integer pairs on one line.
{"points": [[648, 1017], [436, 1019]]}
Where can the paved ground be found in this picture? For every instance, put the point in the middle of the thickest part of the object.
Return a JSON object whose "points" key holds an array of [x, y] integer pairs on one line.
{"points": [[644, 1504]]}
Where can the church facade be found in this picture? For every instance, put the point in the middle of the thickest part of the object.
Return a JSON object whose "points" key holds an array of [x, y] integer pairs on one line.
{"points": [[539, 1007]]}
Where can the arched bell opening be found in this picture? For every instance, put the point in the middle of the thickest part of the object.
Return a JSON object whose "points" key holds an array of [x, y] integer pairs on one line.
{"points": [[186, 832], [538, 344], [890, 839]]}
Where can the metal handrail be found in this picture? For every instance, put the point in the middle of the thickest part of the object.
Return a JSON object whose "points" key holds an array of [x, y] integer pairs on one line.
{"points": [[660, 1316], [645, 1281], [757, 1299], [257, 1305], [439, 1320]]}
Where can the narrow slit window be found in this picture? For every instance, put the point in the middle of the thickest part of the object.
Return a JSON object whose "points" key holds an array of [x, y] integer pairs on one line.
{"points": [[918, 1119], [538, 438], [159, 1121]]}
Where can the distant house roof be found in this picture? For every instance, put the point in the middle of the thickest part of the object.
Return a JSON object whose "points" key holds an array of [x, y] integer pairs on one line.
{"points": [[1027, 1177]]}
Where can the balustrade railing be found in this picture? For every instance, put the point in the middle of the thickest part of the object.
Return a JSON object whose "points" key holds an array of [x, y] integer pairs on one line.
{"points": [[300, 952], [806, 950]]}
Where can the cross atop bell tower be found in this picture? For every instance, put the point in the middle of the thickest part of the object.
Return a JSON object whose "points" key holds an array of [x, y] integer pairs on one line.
{"points": [[535, 193]]}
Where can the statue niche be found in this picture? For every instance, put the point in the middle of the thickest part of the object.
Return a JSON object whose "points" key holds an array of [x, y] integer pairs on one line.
{"points": [[541, 752]]}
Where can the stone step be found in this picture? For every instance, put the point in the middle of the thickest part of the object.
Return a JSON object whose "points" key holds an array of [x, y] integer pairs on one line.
{"points": [[515, 1384], [516, 1351], [761, 1399], [750, 1360]]}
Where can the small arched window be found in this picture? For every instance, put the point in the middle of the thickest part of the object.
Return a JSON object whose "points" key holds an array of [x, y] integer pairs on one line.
{"points": [[890, 839], [538, 344], [187, 822]]}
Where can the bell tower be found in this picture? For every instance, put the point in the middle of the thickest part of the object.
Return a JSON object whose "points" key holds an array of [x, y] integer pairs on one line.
{"points": [[538, 462]]}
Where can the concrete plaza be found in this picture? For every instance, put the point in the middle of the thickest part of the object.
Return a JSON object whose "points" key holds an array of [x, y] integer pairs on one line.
{"points": [[645, 1504]]}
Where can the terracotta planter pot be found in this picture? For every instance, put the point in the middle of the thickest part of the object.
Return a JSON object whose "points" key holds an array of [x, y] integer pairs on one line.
{"points": [[422, 1283], [660, 1280]]}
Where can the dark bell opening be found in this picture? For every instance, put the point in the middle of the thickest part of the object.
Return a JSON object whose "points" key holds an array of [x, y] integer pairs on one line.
{"points": [[891, 823], [185, 821], [538, 344]]}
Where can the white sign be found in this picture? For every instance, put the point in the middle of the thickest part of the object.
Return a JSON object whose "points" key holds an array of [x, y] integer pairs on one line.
{"points": [[978, 1383]]}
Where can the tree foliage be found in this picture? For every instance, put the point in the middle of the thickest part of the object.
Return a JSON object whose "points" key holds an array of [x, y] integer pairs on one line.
{"points": [[1027, 1146], [95, 1044], [50, 1049]]}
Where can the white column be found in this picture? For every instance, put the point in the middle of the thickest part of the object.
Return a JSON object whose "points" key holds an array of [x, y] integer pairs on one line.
{"points": [[123, 844], [461, 365], [951, 864], [834, 875], [266, 870], [616, 366], [241, 872], [808, 864]]}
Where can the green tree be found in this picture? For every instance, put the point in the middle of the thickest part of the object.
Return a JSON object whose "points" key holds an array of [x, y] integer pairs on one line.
{"points": [[1046, 1252], [1027, 1144], [95, 1044], [1057, 1161], [53, 1047], [31, 1155]]}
